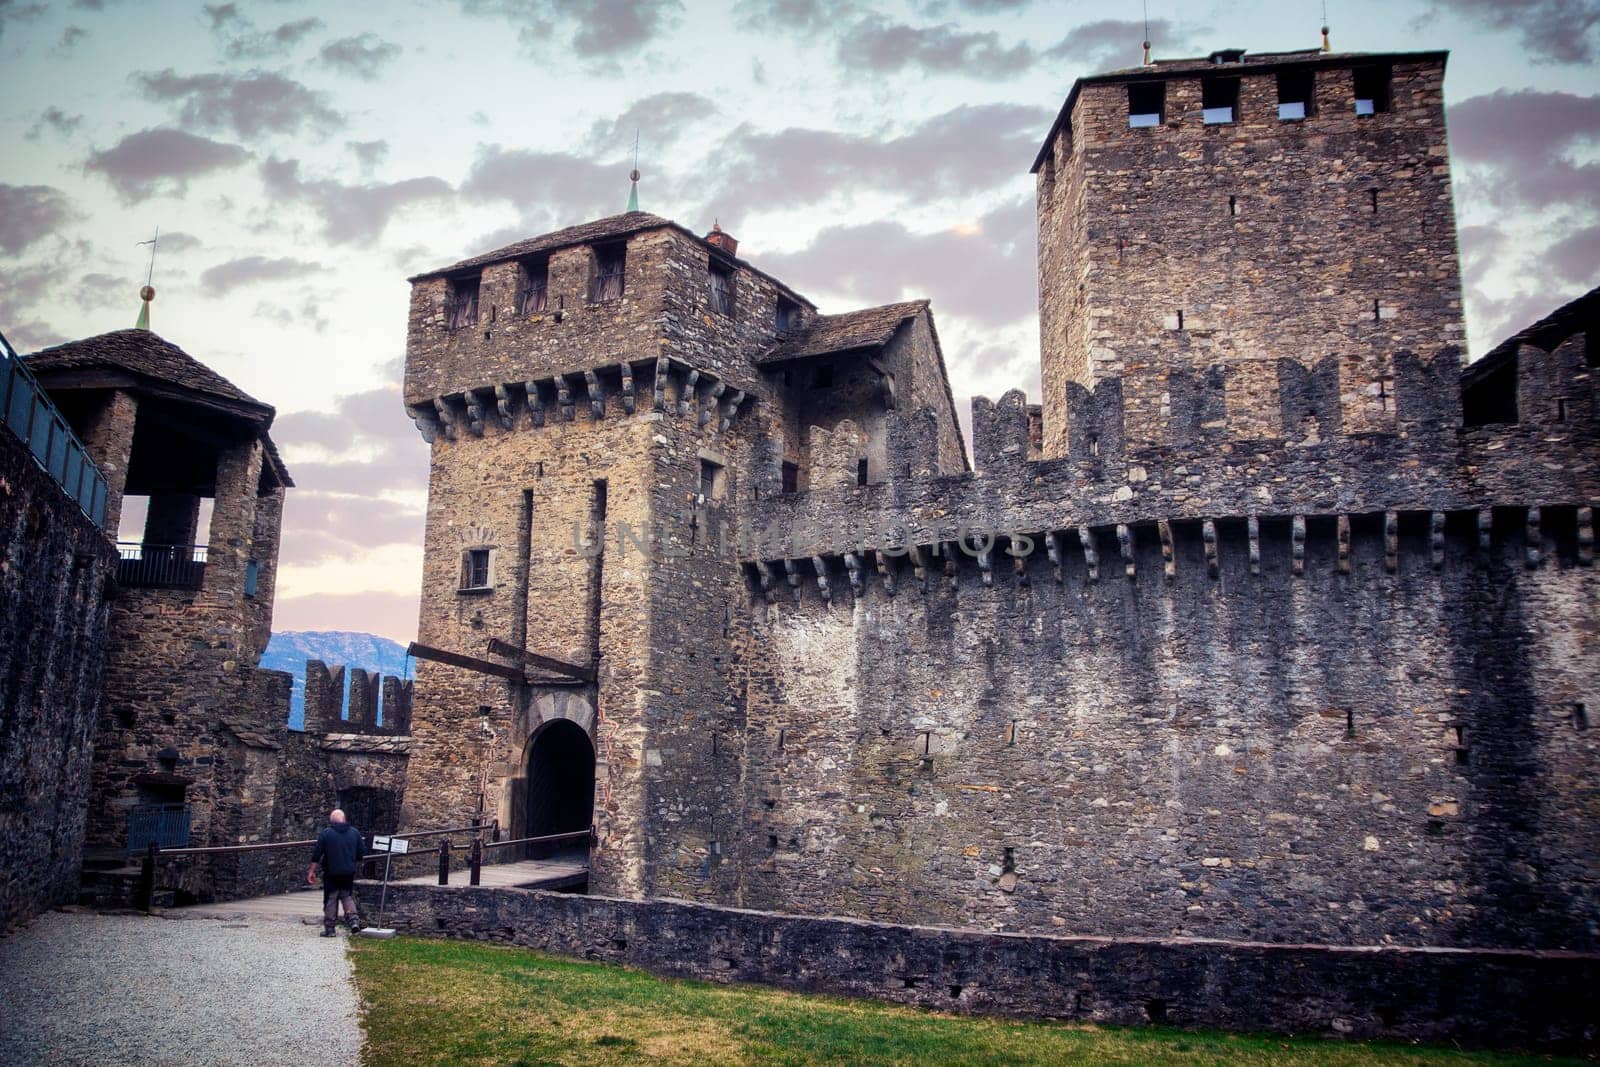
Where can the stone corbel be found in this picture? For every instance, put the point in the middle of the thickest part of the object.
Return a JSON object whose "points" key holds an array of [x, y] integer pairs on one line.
{"points": [[766, 575], [1091, 558], [713, 397], [1391, 541], [821, 568], [1585, 536], [886, 571], [1297, 546], [1344, 544], [564, 398], [1019, 565], [729, 413], [502, 403], [663, 372], [1052, 549], [426, 421], [1255, 545], [792, 572], [474, 412], [1125, 545], [597, 397], [1534, 538], [447, 419], [1168, 567], [1436, 538], [986, 563], [627, 388], [535, 404], [1208, 537], [952, 563], [919, 566], [686, 398], [1485, 528], [852, 565]]}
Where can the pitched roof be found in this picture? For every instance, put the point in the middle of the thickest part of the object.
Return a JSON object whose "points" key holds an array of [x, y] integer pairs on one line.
{"points": [[158, 364], [866, 328], [145, 355], [614, 226], [1575, 316]]}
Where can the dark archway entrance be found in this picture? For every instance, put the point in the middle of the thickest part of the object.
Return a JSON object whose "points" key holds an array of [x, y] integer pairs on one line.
{"points": [[560, 789]]}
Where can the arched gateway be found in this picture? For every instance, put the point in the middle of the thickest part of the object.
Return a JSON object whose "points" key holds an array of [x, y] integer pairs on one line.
{"points": [[558, 796]]}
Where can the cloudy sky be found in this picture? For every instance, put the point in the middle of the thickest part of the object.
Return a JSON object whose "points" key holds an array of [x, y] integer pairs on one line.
{"points": [[301, 159]]}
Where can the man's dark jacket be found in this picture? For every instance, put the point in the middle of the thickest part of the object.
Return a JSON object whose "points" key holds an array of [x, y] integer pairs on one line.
{"points": [[338, 849]]}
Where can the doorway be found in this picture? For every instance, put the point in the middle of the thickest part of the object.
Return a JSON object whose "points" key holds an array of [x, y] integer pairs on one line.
{"points": [[560, 790]]}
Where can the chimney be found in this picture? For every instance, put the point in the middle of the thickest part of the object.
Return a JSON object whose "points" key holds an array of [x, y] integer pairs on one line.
{"points": [[723, 241]]}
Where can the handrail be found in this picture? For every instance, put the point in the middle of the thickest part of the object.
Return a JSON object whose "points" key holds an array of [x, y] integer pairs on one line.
{"points": [[30, 413], [268, 845], [573, 835]]}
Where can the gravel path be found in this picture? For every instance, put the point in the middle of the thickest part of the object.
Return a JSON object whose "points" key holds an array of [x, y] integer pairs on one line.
{"points": [[114, 989]]}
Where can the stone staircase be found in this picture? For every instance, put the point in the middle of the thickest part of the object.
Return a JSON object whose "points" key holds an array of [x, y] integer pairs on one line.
{"points": [[111, 880]]}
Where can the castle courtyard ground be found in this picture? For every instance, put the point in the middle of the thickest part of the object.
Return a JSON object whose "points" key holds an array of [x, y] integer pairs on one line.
{"points": [[262, 988]]}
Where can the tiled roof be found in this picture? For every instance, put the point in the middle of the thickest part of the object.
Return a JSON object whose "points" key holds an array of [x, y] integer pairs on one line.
{"points": [[867, 328], [1572, 317], [605, 229], [375, 743], [146, 354]]}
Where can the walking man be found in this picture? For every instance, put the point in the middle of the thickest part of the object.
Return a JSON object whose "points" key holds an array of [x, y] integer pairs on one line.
{"points": [[339, 851]]}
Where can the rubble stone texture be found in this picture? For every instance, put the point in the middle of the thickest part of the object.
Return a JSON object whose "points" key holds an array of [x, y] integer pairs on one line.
{"points": [[1263, 627]]}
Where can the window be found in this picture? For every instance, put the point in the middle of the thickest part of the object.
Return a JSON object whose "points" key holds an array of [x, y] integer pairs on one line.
{"points": [[791, 477], [1219, 100], [788, 315], [1372, 89], [252, 577], [610, 262], [533, 286], [823, 378], [713, 477], [1233, 206], [1296, 89], [1147, 101], [719, 279], [475, 568], [461, 305], [861, 471]]}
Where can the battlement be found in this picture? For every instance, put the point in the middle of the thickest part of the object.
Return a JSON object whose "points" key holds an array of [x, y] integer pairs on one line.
{"points": [[369, 693]]}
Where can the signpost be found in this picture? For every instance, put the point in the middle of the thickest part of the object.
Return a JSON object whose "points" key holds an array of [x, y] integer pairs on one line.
{"points": [[390, 847]]}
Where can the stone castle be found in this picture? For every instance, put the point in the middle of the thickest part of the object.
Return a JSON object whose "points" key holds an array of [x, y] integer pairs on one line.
{"points": [[1275, 622]]}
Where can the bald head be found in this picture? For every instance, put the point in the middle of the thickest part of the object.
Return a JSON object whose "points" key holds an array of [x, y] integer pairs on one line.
{"points": [[336, 816]]}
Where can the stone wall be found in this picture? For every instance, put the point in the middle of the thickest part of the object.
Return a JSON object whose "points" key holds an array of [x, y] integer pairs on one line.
{"points": [[54, 570], [1506, 999], [1327, 238]]}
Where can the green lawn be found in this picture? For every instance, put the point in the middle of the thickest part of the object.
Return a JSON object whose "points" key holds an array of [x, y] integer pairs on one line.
{"points": [[450, 1002]]}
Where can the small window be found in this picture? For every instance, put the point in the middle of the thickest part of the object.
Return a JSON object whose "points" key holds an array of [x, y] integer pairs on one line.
{"points": [[533, 286], [1147, 103], [1372, 89], [719, 280], [252, 577], [791, 477], [713, 477], [475, 569], [610, 262], [1296, 91], [788, 315], [861, 471], [1219, 100], [823, 378], [461, 305]]}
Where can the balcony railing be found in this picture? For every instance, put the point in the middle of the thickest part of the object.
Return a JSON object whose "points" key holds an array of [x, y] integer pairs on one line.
{"points": [[160, 566], [27, 410]]}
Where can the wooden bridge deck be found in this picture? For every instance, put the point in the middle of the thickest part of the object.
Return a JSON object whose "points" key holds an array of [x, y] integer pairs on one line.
{"points": [[305, 905]]}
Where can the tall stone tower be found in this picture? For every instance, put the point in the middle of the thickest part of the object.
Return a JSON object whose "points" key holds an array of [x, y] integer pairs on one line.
{"points": [[1209, 226]]}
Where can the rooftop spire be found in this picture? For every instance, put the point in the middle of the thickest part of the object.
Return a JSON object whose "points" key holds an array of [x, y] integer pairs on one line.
{"points": [[147, 291], [1326, 47], [633, 176], [1147, 32]]}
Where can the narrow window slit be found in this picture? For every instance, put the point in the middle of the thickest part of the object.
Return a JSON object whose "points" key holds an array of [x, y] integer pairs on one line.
{"points": [[1580, 717], [1233, 206]]}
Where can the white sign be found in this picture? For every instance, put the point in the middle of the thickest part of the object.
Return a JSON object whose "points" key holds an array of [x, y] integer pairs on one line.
{"points": [[390, 844]]}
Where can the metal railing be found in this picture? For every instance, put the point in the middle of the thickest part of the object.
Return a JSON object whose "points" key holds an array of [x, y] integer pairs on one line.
{"points": [[159, 825], [29, 412], [160, 566]]}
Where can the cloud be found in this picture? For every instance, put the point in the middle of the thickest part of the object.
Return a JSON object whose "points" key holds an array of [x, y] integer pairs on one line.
{"points": [[13, 12], [546, 186], [55, 119], [29, 213], [351, 214], [21, 291], [151, 162], [983, 271], [790, 18], [1525, 138], [887, 47], [368, 153], [591, 29], [253, 270], [391, 615], [663, 117], [309, 313], [98, 289], [969, 149], [178, 241], [70, 37], [361, 57], [246, 42], [1556, 31], [246, 105], [1112, 43], [1576, 258]]}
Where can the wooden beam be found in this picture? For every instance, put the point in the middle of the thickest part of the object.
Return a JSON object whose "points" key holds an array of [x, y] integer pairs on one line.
{"points": [[471, 663], [498, 647]]}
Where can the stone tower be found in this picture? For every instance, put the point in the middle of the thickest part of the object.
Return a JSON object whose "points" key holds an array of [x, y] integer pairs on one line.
{"points": [[1208, 227]]}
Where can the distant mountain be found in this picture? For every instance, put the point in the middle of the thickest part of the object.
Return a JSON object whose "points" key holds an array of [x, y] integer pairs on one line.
{"points": [[289, 651]]}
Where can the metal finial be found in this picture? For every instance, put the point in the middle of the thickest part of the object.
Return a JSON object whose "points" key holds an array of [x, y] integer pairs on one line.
{"points": [[1326, 47], [1147, 32], [633, 175], [147, 292]]}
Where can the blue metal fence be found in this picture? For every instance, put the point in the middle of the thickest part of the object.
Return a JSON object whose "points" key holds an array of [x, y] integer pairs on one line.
{"points": [[163, 825], [27, 410]]}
